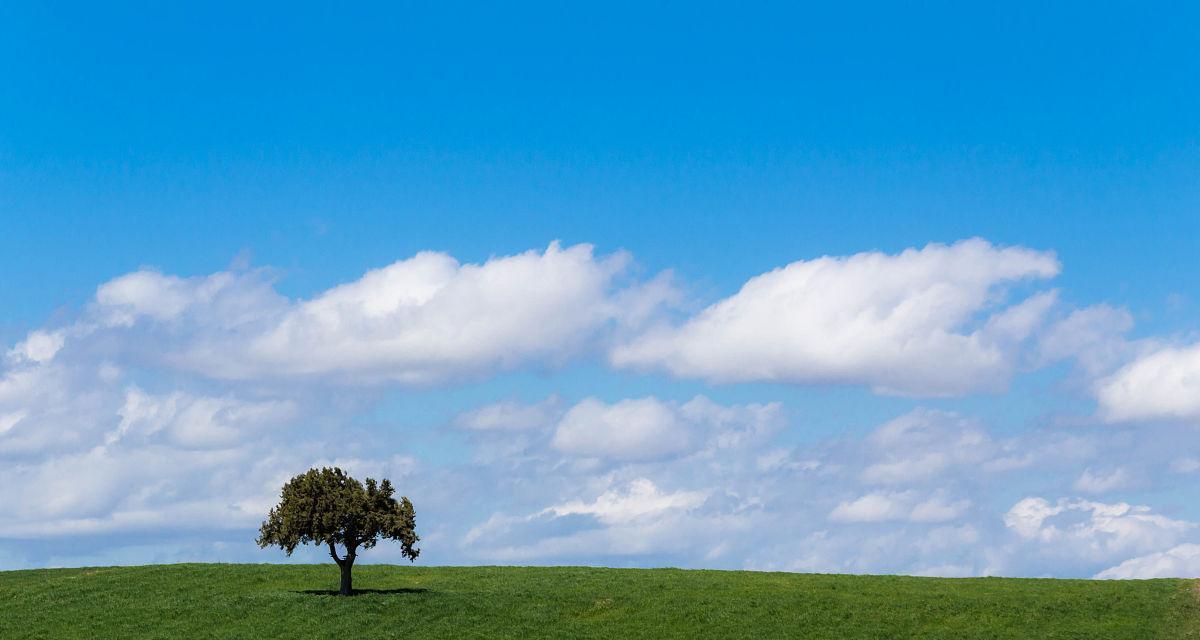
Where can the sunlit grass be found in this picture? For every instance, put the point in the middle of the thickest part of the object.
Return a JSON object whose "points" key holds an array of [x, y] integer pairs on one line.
{"points": [[294, 601]]}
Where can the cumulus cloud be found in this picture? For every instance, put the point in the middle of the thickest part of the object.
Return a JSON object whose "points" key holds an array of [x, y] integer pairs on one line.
{"points": [[923, 322], [1182, 561], [420, 320], [38, 346], [423, 320], [649, 428], [630, 429], [222, 299], [1163, 384]]}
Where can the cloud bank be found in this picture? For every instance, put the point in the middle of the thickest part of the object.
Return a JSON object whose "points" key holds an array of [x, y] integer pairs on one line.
{"points": [[171, 410]]}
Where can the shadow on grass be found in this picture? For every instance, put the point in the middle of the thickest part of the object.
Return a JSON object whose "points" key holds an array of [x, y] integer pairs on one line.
{"points": [[361, 592]]}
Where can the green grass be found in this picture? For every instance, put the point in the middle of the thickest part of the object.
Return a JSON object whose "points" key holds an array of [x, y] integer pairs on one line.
{"points": [[290, 601]]}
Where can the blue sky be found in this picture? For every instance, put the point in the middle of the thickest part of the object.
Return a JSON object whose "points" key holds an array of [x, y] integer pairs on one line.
{"points": [[183, 190]]}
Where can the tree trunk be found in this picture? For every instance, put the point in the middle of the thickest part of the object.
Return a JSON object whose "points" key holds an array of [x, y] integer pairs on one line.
{"points": [[347, 584]]}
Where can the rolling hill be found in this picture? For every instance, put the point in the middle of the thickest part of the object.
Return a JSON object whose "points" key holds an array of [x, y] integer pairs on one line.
{"points": [[296, 601]]}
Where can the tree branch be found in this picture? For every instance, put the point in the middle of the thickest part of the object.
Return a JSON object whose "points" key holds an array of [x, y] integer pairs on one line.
{"points": [[333, 554]]}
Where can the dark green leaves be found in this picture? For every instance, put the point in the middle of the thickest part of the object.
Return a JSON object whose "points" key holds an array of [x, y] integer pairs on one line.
{"points": [[328, 507]]}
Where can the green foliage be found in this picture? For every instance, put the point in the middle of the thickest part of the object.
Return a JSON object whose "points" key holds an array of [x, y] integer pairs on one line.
{"points": [[417, 603], [328, 507]]}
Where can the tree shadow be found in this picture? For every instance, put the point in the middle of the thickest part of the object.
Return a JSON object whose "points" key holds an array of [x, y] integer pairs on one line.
{"points": [[360, 592]]}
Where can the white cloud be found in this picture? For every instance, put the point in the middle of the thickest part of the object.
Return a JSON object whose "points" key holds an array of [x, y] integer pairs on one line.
{"points": [[1093, 336], [641, 498], [924, 445], [196, 421], [634, 519], [223, 299], [147, 488], [198, 455], [510, 415], [898, 323], [1089, 482], [1182, 561], [734, 426], [10, 420], [1026, 517], [83, 453], [172, 408], [906, 470], [428, 318], [1161, 385], [884, 507], [764, 501], [178, 463], [423, 320], [649, 428], [38, 346], [938, 509], [873, 507], [51, 406], [938, 540], [151, 294], [629, 430], [1094, 530], [783, 459]]}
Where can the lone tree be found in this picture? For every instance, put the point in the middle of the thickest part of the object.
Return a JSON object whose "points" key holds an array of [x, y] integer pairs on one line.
{"points": [[328, 507]]}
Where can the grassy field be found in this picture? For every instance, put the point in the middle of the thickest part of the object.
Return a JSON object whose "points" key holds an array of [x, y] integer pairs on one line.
{"points": [[282, 601]]}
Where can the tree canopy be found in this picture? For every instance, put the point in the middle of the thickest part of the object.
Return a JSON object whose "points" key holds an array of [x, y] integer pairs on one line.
{"points": [[328, 507]]}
